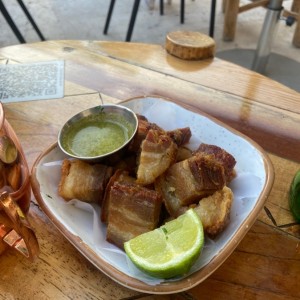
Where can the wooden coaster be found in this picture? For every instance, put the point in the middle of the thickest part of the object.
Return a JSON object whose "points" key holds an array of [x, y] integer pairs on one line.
{"points": [[190, 45]]}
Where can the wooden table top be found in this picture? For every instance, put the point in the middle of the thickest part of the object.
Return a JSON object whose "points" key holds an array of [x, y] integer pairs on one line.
{"points": [[266, 263]]}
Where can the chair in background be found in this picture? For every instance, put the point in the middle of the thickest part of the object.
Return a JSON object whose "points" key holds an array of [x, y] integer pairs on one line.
{"points": [[161, 8], [12, 24], [294, 15], [232, 8], [135, 8], [182, 3]]}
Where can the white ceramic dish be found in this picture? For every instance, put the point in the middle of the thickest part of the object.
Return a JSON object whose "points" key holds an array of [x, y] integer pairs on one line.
{"points": [[80, 222]]}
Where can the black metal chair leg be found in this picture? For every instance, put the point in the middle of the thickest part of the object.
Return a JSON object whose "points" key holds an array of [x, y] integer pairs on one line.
{"points": [[110, 10], [11, 23], [182, 6], [161, 7], [135, 10], [132, 19], [212, 18], [28, 15], [182, 11]]}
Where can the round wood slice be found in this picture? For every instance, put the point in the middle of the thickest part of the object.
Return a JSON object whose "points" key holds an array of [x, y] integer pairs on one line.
{"points": [[190, 45]]}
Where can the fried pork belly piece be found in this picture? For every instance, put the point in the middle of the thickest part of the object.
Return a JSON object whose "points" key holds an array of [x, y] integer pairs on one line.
{"points": [[143, 128], [222, 156], [133, 210], [119, 176], [183, 153], [158, 153], [180, 136], [185, 182], [128, 163], [214, 211], [83, 181]]}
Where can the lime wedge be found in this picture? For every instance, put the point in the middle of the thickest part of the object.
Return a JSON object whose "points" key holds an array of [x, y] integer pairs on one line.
{"points": [[294, 196], [169, 250]]}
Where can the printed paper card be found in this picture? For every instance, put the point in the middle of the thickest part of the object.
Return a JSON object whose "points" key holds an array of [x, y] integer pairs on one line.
{"points": [[34, 81]]}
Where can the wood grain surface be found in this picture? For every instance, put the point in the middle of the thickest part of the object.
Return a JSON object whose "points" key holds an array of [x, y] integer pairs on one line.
{"points": [[265, 265]]}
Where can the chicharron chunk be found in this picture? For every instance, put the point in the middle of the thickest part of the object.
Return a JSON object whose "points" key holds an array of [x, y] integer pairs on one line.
{"points": [[180, 136], [214, 211], [143, 128], [222, 156], [133, 210], [119, 176], [158, 153], [83, 181], [185, 182]]}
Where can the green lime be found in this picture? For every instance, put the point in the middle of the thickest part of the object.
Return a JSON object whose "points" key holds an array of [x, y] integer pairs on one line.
{"points": [[169, 250], [295, 196]]}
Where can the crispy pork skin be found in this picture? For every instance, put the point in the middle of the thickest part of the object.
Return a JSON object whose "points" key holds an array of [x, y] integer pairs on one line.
{"points": [[186, 182], [183, 153], [214, 211], [119, 176], [83, 181], [143, 128], [180, 136], [133, 210], [158, 154], [222, 156]]}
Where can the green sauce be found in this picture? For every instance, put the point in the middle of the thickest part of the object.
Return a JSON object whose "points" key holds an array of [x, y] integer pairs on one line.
{"points": [[97, 135]]}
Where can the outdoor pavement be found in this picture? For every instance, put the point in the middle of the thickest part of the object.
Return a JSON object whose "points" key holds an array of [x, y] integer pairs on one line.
{"points": [[84, 20]]}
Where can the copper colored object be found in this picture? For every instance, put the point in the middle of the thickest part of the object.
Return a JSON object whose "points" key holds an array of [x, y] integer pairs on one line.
{"points": [[15, 229], [8, 150], [15, 193]]}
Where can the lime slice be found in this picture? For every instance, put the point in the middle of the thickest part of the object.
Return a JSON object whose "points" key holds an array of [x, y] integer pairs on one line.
{"points": [[169, 250], [294, 196]]}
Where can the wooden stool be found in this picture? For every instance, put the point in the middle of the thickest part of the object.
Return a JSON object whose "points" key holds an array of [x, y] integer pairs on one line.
{"points": [[190, 45], [232, 8]]}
